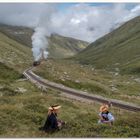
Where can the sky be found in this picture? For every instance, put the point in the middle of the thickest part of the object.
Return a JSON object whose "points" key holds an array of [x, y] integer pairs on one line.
{"points": [[84, 21]]}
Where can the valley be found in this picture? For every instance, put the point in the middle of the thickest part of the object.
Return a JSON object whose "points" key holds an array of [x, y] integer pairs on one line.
{"points": [[98, 68]]}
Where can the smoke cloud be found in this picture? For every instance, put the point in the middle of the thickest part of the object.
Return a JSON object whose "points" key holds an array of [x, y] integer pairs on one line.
{"points": [[80, 21], [41, 32], [39, 43]]}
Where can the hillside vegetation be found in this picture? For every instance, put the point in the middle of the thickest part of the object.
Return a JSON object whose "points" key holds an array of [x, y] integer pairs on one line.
{"points": [[13, 54], [117, 51], [59, 46], [94, 81], [18, 33], [63, 47], [23, 107]]}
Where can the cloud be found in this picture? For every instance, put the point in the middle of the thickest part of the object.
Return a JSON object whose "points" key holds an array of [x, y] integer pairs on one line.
{"points": [[80, 21], [133, 13], [24, 14], [91, 22]]}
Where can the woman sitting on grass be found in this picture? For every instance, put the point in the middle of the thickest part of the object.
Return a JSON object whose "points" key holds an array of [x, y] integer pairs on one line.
{"points": [[52, 123], [105, 115]]}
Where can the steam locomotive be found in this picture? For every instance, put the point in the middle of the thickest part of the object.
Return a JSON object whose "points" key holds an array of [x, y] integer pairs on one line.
{"points": [[36, 63]]}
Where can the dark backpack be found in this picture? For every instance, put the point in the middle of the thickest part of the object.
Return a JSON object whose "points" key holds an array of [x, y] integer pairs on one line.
{"points": [[105, 115]]}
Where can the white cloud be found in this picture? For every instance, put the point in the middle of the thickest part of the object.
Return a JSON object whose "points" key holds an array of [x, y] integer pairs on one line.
{"points": [[80, 21], [24, 14], [89, 22]]}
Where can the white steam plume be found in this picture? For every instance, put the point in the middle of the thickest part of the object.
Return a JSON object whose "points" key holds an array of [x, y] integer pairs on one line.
{"points": [[39, 43], [42, 31]]}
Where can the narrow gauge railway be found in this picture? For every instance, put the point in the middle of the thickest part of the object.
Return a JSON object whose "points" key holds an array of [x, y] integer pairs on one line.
{"points": [[45, 83]]}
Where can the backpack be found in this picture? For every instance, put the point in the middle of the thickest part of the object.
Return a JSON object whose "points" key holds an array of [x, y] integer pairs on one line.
{"points": [[105, 115]]}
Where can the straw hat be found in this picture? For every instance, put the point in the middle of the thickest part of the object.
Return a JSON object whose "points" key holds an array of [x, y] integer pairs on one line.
{"points": [[104, 108], [54, 107]]}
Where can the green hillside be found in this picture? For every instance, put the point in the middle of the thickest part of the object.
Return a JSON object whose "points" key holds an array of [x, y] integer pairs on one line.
{"points": [[59, 46], [23, 107], [95, 81], [62, 47], [13, 54], [18, 33], [118, 50]]}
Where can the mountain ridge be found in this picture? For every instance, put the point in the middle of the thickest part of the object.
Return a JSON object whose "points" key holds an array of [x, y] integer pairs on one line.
{"points": [[116, 48], [59, 46]]}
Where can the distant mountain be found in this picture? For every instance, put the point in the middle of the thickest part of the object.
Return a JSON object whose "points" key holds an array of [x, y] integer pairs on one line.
{"points": [[118, 50], [59, 46]]}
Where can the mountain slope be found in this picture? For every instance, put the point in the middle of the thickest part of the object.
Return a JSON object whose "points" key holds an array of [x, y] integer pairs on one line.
{"points": [[14, 54], [23, 107], [118, 49], [59, 46], [18, 33]]}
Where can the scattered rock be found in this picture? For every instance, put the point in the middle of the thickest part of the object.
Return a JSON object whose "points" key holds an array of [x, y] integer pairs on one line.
{"points": [[114, 89], [116, 74], [20, 80], [127, 82], [77, 81], [85, 90], [22, 90], [21, 62], [63, 80], [65, 73], [67, 76], [117, 64], [137, 80]]}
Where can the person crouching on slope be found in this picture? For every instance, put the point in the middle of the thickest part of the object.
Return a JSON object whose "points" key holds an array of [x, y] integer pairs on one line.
{"points": [[52, 123], [105, 115]]}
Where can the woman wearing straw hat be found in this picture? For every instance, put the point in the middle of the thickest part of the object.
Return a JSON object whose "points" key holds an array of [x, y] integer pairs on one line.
{"points": [[52, 123], [105, 115]]}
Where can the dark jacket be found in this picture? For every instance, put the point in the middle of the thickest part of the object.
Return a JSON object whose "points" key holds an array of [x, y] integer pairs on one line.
{"points": [[51, 123]]}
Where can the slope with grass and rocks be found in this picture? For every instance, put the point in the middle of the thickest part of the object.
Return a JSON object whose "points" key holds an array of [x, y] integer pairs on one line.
{"points": [[63, 47], [117, 51], [23, 107], [18, 33], [87, 78], [23, 110], [13, 54]]}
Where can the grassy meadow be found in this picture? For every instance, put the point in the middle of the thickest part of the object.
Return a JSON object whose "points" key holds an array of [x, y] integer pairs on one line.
{"points": [[23, 107], [22, 113], [94, 81]]}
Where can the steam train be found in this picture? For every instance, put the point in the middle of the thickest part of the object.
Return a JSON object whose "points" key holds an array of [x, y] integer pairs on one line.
{"points": [[42, 58], [36, 63]]}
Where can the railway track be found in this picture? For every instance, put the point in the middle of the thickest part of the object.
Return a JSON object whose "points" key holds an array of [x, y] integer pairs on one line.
{"points": [[45, 84]]}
